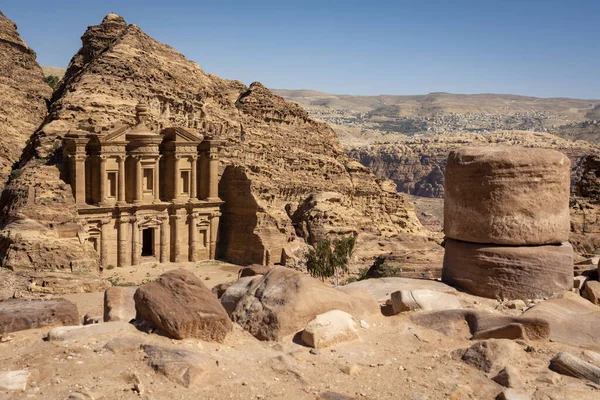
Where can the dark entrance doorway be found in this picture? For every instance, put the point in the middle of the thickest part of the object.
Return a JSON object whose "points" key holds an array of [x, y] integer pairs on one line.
{"points": [[148, 242]]}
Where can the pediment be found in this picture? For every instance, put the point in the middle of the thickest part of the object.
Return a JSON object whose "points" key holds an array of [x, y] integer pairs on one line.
{"points": [[181, 135], [115, 135]]}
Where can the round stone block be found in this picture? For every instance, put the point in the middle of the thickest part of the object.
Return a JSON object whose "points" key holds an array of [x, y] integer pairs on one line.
{"points": [[508, 272], [507, 195]]}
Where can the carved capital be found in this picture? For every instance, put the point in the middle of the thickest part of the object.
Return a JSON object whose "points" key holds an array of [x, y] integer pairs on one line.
{"points": [[105, 221], [215, 214]]}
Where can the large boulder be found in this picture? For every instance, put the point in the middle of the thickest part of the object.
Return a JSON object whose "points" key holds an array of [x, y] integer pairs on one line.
{"points": [[503, 195], [235, 292], [182, 306], [283, 301], [18, 315], [572, 320], [508, 272], [119, 304], [329, 328]]}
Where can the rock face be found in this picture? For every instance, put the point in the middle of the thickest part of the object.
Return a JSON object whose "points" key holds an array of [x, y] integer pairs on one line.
{"points": [[273, 158], [180, 305], [283, 301], [512, 272], [18, 315], [423, 299], [329, 328], [23, 96], [501, 195]]}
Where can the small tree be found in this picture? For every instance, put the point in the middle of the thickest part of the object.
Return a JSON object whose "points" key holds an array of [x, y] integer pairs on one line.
{"points": [[329, 259], [51, 80]]}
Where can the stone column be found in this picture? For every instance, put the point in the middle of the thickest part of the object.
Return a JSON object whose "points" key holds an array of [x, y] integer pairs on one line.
{"points": [[138, 180], [123, 240], [175, 238], [193, 186], [155, 176], [104, 242], [213, 175], [176, 178], [135, 239], [203, 190], [79, 178], [164, 239], [121, 190], [193, 245], [102, 199], [214, 229]]}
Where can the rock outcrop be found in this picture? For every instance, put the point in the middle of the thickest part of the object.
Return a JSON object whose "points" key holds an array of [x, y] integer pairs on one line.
{"points": [[23, 97], [18, 315], [273, 158]]}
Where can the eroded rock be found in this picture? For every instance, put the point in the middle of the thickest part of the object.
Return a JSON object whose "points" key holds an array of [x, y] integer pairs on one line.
{"points": [[329, 328], [181, 366], [119, 304], [18, 315], [423, 299]]}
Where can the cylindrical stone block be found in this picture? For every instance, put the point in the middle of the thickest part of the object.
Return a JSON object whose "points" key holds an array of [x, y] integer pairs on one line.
{"points": [[502, 195], [508, 272]]}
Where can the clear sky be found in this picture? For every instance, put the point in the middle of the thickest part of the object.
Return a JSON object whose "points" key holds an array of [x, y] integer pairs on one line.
{"points": [[544, 48]]}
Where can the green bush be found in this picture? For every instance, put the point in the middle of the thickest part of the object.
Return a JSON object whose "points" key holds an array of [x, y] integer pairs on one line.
{"points": [[52, 81], [329, 258]]}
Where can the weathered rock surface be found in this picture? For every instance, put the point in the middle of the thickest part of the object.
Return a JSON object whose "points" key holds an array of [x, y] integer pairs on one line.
{"points": [[513, 394], [591, 291], [382, 288], [508, 272], [492, 355], [329, 328], [502, 195], [23, 96], [283, 301], [119, 304], [274, 156], [483, 325], [18, 315], [423, 299], [509, 377], [572, 320], [83, 332], [182, 306], [181, 366], [64, 283], [235, 292], [14, 380], [568, 364]]}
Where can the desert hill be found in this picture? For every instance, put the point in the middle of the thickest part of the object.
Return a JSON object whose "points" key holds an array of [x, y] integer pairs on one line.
{"points": [[285, 177]]}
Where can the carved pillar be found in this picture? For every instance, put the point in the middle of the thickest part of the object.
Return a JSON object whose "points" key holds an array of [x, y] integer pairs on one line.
{"points": [[122, 260], [102, 199], [104, 242], [214, 229], [121, 189], [156, 181], [193, 187], [203, 175], [175, 238], [135, 239], [213, 175], [176, 178], [78, 172], [138, 180], [193, 245], [164, 239]]}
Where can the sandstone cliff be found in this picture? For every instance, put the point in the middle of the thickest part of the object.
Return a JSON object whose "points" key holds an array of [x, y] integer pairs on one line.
{"points": [[23, 96], [274, 157]]}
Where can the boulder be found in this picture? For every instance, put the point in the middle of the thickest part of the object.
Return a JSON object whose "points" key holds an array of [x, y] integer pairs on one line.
{"points": [[382, 288], [507, 195], [471, 324], [181, 305], [423, 299], [509, 377], [567, 312], [283, 301], [513, 394], [568, 364], [80, 332], [119, 304], [235, 292], [591, 291], [181, 366], [492, 355], [18, 315], [508, 272], [329, 328], [14, 380]]}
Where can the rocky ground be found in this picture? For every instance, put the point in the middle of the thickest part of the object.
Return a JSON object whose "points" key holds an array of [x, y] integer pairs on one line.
{"points": [[394, 358]]}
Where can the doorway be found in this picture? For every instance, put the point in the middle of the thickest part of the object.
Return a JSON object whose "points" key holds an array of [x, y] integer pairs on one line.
{"points": [[148, 242]]}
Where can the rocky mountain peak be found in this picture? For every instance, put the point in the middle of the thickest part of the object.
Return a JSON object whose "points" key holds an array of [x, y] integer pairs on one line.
{"points": [[113, 18]]}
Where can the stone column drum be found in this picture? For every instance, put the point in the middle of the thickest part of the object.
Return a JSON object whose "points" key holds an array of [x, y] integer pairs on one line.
{"points": [[507, 195]]}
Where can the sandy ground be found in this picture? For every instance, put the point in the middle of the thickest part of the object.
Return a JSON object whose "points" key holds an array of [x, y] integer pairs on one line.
{"points": [[393, 359]]}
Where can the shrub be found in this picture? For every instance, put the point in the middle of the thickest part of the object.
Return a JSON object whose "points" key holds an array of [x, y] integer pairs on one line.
{"points": [[329, 259]]}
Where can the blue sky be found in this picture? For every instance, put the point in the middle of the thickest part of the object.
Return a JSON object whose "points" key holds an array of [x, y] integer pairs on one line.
{"points": [[529, 47]]}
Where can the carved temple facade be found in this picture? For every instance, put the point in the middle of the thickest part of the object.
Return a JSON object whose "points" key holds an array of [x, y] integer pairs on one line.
{"points": [[145, 196]]}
